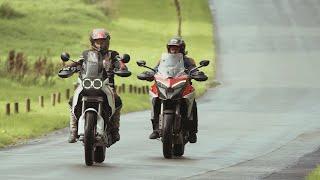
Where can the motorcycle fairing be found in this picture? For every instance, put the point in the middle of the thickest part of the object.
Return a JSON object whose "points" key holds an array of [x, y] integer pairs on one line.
{"points": [[106, 89], [171, 82], [153, 91]]}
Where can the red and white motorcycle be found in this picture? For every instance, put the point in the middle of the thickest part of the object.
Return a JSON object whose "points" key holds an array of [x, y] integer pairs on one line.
{"points": [[174, 89]]}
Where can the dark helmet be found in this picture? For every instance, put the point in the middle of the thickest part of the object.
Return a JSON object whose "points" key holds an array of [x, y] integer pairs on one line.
{"points": [[100, 34], [177, 41]]}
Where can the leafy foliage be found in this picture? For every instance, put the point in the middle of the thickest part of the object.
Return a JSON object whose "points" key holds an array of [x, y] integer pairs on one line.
{"points": [[7, 12], [18, 68]]}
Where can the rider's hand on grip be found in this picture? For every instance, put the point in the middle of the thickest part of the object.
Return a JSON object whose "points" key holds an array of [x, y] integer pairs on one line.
{"points": [[199, 76], [147, 75]]}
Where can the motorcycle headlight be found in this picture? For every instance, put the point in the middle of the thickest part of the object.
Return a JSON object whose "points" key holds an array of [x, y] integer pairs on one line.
{"points": [[97, 83], [87, 83], [179, 85]]}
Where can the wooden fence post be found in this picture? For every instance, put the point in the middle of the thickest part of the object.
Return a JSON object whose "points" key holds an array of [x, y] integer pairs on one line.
{"points": [[53, 99], [67, 94], [28, 105], [139, 90], [123, 86], [75, 85], [58, 97], [41, 101], [143, 90], [8, 109], [135, 89], [16, 107], [118, 89], [130, 88]]}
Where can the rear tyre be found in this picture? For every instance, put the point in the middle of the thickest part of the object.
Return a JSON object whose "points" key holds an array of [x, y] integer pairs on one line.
{"points": [[90, 121], [167, 135], [178, 149], [100, 154]]}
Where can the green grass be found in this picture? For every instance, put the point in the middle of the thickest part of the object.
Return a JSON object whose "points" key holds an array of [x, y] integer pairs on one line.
{"points": [[140, 28], [314, 175]]}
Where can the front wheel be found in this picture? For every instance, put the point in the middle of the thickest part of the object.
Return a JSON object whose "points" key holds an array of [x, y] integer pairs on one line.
{"points": [[99, 154], [178, 149], [167, 135], [89, 134]]}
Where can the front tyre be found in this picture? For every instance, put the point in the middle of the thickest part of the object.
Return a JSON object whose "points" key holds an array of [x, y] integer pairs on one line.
{"points": [[99, 154], [89, 136], [178, 149], [167, 135]]}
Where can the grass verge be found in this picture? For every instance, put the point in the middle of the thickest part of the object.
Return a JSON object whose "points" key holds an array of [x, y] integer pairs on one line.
{"points": [[314, 175]]}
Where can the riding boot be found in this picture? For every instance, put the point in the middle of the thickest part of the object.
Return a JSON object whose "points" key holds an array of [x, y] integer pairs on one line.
{"points": [[115, 124], [194, 124], [73, 128], [155, 111], [155, 126]]}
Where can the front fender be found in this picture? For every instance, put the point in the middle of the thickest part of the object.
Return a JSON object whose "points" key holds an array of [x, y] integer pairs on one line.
{"points": [[100, 122]]}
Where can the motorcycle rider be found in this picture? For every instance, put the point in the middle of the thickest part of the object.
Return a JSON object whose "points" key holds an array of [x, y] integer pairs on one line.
{"points": [[175, 45], [100, 41]]}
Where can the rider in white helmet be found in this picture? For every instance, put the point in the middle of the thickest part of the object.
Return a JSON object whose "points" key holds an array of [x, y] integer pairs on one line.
{"points": [[100, 41]]}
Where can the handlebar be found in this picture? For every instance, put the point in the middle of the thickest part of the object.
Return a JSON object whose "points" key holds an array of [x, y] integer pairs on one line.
{"points": [[148, 76]]}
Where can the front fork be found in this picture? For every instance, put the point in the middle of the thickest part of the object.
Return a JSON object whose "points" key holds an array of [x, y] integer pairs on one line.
{"points": [[177, 128]]}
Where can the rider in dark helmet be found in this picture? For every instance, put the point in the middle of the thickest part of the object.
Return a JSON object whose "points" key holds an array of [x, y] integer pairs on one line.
{"points": [[175, 45], [177, 42], [100, 41]]}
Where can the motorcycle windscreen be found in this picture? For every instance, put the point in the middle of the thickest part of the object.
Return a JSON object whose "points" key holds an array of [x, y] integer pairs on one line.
{"points": [[171, 65], [92, 66]]}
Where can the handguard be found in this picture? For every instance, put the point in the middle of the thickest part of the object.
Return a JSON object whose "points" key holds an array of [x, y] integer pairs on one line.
{"points": [[199, 76], [123, 73], [66, 72], [148, 76]]}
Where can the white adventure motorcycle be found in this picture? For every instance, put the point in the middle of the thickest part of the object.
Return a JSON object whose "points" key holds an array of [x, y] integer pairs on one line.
{"points": [[93, 104]]}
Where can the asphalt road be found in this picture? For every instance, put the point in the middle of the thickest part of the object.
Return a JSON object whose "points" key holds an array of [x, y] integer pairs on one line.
{"points": [[262, 118]]}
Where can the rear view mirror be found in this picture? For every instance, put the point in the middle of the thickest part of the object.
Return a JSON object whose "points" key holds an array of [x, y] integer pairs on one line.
{"points": [[125, 58], [204, 63], [141, 63], [65, 56]]}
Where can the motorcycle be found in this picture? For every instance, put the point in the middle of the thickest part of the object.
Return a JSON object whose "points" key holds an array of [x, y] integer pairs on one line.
{"points": [[93, 104], [174, 89]]}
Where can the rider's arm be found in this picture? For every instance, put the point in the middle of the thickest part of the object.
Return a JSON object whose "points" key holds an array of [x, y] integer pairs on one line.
{"points": [[75, 64], [118, 64], [189, 63], [79, 61]]}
